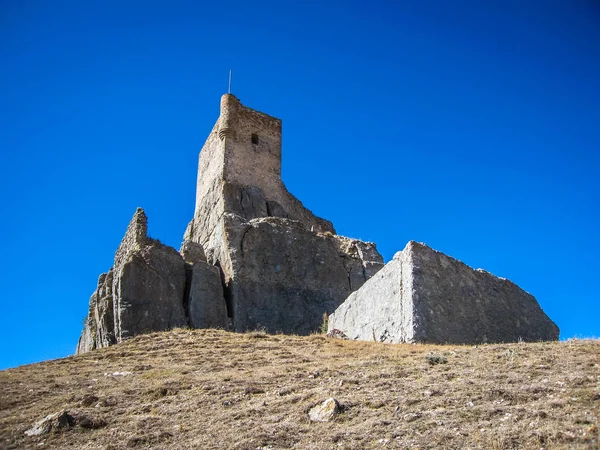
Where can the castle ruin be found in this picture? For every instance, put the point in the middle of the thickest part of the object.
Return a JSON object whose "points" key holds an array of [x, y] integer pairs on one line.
{"points": [[253, 257]]}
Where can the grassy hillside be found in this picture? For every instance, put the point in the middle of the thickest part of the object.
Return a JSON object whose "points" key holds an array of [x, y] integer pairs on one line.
{"points": [[190, 389]]}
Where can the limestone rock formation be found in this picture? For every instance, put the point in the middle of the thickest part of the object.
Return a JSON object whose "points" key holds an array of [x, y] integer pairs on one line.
{"points": [[205, 300], [143, 291], [253, 256], [423, 295], [285, 276], [282, 267]]}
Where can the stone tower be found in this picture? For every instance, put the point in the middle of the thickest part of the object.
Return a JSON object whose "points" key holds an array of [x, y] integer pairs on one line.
{"points": [[266, 243], [240, 172]]}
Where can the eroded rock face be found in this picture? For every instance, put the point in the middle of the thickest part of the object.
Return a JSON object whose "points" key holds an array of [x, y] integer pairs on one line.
{"points": [[285, 276], [98, 330], [143, 291], [282, 267], [423, 295], [148, 291], [206, 303]]}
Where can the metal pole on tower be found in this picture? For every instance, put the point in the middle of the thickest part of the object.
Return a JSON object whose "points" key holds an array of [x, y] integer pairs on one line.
{"points": [[229, 88]]}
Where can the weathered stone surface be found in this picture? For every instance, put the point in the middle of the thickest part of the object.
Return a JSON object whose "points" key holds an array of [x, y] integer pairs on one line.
{"points": [[55, 421], [62, 420], [143, 292], [285, 276], [98, 330], [423, 295], [192, 252], [282, 267], [324, 412], [148, 291], [206, 303]]}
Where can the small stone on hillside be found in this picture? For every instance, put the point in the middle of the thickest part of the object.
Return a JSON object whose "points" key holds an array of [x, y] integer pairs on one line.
{"points": [[64, 419], [58, 420], [436, 359], [325, 411], [335, 333], [117, 374]]}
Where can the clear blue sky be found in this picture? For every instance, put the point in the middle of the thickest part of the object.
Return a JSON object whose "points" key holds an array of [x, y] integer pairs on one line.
{"points": [[471, 126]]}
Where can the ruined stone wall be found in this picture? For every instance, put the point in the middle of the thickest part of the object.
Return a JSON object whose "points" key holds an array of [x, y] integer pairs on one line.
{"points": [[258, 164], [455, 303], [239, 171], [144, 291], [423, 295], [253, 164], [135, 237]]}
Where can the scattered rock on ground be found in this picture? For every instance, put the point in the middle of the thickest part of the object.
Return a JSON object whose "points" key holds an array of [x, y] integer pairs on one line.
{"points": [[325, 411], [335, 333], [64, 419], [58, 420], [432, 359]]}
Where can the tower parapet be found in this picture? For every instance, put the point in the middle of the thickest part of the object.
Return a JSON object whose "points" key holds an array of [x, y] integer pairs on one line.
{"points": [[229, 106]]}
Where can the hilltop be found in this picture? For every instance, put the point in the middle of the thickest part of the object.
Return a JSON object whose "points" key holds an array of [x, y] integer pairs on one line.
{"points": [[206, 388]]}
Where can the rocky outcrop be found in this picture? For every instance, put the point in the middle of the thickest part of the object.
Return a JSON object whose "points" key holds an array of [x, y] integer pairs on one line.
{"points": [[284, 277], [148, 291], [143, 291], [282, 267], [279, 276], [423, 295], [205, 300], [254, 257], [62, 420], [98, 330]]}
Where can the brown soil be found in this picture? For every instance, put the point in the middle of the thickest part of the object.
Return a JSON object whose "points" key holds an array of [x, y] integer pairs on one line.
{"points": [[195, 389]]}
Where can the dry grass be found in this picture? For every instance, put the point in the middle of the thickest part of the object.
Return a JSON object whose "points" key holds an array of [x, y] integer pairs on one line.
{"points": [[192, 389]]}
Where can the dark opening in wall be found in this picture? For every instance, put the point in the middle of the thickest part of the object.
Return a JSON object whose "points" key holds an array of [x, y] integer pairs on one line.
{"points": [[255, 138], [226, 292]]}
